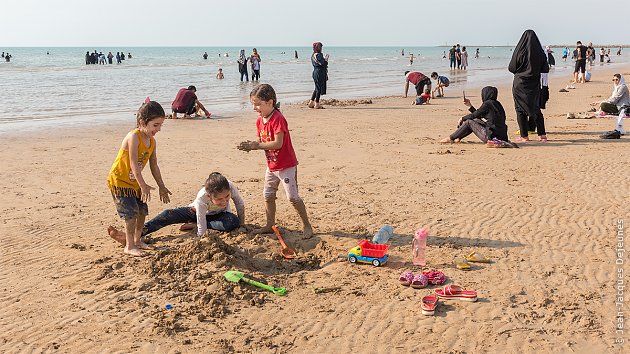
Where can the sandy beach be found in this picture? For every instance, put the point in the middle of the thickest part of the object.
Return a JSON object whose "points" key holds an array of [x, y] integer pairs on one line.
{"points": [[546, 213]]}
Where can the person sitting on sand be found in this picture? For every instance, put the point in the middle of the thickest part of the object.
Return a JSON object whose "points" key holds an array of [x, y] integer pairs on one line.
{"points": [[209, 210], [442, 82], [492, 128], [419, 80], [619, 98], [220, 74], [424, 98], [186, 102]]}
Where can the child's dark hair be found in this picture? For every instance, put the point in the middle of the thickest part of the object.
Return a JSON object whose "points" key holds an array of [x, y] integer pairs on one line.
{"points": [[148, 112], [434, 74], [216, 183], [265, 92], [407, 72]]}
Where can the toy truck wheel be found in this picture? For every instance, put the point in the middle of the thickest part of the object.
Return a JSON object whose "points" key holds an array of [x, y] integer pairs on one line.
{"points": [[376, 262], [352, 259]]}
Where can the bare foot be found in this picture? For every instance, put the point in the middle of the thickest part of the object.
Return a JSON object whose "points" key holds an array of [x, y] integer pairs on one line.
{"points": [[311, 104], [446, 141], [308, 231], [318, 106], [263, 230], [119, 236], [135, 252], [457, 140], [188, 226], [143, 246]]}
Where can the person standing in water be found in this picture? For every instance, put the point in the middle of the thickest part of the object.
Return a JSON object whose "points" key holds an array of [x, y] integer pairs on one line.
{"points": [[255, 62], [242, 65]]}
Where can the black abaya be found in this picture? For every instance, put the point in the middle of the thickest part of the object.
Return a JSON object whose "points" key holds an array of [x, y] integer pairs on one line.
{"points": [[528, 61]]}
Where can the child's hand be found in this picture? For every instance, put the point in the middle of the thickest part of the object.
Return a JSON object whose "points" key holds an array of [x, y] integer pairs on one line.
{"points": [[164, 194], [146, 192], [467, 102], [247, 145]]}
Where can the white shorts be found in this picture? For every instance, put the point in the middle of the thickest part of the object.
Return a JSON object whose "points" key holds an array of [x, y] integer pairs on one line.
{"points": [[288, 176]]}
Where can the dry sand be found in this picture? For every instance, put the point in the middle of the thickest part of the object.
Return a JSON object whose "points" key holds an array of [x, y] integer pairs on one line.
{"points": [[546, 213]]}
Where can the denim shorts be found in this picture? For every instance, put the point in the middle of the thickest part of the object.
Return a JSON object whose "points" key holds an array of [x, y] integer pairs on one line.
{"points": [[130, 207]]}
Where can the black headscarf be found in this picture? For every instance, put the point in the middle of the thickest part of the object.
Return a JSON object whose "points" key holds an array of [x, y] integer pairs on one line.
{"points": [[528, 61], [529, 58]]}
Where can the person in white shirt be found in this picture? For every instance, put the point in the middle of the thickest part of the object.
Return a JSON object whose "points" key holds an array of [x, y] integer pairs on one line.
{"points": [[209, 210]]}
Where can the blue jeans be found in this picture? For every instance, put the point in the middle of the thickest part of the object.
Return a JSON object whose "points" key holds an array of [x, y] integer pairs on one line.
{"points": [[244, 73], [223, 221]]}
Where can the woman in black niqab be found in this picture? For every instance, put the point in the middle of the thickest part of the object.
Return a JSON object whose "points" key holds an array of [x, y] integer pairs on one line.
{"points": [[528, 62]]}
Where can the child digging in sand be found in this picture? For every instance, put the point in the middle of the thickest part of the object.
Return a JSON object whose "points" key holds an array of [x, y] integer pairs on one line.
{"points": [[210, 210], [491, 130], [274, 138], [125, 181]]}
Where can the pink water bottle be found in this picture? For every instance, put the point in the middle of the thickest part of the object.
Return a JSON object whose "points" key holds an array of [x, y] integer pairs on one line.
{"points": [[419, 246]]}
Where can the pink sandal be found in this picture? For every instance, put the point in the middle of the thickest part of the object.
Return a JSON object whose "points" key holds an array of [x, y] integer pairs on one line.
{"points": [[406, 278], [419, 281], [453, 291], [435, 277], [429, 304]]}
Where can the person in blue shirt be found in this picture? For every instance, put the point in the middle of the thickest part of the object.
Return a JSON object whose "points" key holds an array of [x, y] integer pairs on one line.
{"points": [[442, 82]]}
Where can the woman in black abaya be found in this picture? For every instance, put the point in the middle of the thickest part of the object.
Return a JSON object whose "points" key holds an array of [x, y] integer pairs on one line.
{"points": [[529, 60], [320, 74]]}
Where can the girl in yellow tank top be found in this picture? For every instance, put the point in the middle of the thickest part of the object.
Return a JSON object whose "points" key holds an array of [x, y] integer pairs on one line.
{"points": [[125, 180]]}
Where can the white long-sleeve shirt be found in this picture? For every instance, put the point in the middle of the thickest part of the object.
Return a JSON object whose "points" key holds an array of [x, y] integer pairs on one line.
{"points": [[203, 206]]}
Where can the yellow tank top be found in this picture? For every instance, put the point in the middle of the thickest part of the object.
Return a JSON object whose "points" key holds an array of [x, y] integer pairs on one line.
{"points": [[121, 181]]}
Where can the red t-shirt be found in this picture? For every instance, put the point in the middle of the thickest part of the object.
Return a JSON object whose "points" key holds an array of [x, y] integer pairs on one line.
{"points": [[414, 77], [183, 99], [284, 157]]}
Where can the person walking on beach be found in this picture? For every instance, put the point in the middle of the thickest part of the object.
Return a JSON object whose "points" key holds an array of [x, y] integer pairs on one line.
{"points": [[527, 63], [580, 63], [419, 80], [464, 57], [242, 65], [118, 58], [458, 56], [452, 57], [205, 55], [320, 75], [602, 53], [619, 51], [125, 181], [477, 54], [186, 102], [295, 55], [87, 57], [255, 62], [565, 53], [110, 56], [274, 137]]}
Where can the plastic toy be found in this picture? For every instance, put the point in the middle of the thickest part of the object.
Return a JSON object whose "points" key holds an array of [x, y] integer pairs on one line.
{"points": [[236, 276], [367, 252], [285, 251]]}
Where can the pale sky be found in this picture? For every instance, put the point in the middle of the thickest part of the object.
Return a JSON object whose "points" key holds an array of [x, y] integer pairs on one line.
{"points": [[87, 23]]}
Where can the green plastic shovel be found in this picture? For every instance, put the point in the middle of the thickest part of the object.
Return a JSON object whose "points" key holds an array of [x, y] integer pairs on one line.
{"points": [[236, 276]]}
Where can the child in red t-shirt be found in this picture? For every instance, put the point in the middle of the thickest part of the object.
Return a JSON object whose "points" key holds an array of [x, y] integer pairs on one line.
{"points": [[273, 137]]}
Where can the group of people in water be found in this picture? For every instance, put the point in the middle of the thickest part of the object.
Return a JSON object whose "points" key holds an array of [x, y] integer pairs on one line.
{"points": [[7, 57], [102, 59]]}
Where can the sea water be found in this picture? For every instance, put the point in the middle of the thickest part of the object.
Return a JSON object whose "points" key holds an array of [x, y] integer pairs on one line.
{"points": [[53, 87]]}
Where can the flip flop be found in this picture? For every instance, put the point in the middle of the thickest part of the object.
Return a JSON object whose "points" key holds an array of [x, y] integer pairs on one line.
{"points": [[456, 292], [462, 264], [477, 257], [429, 304], [435, 277], [419, 281], [405, 278]]}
